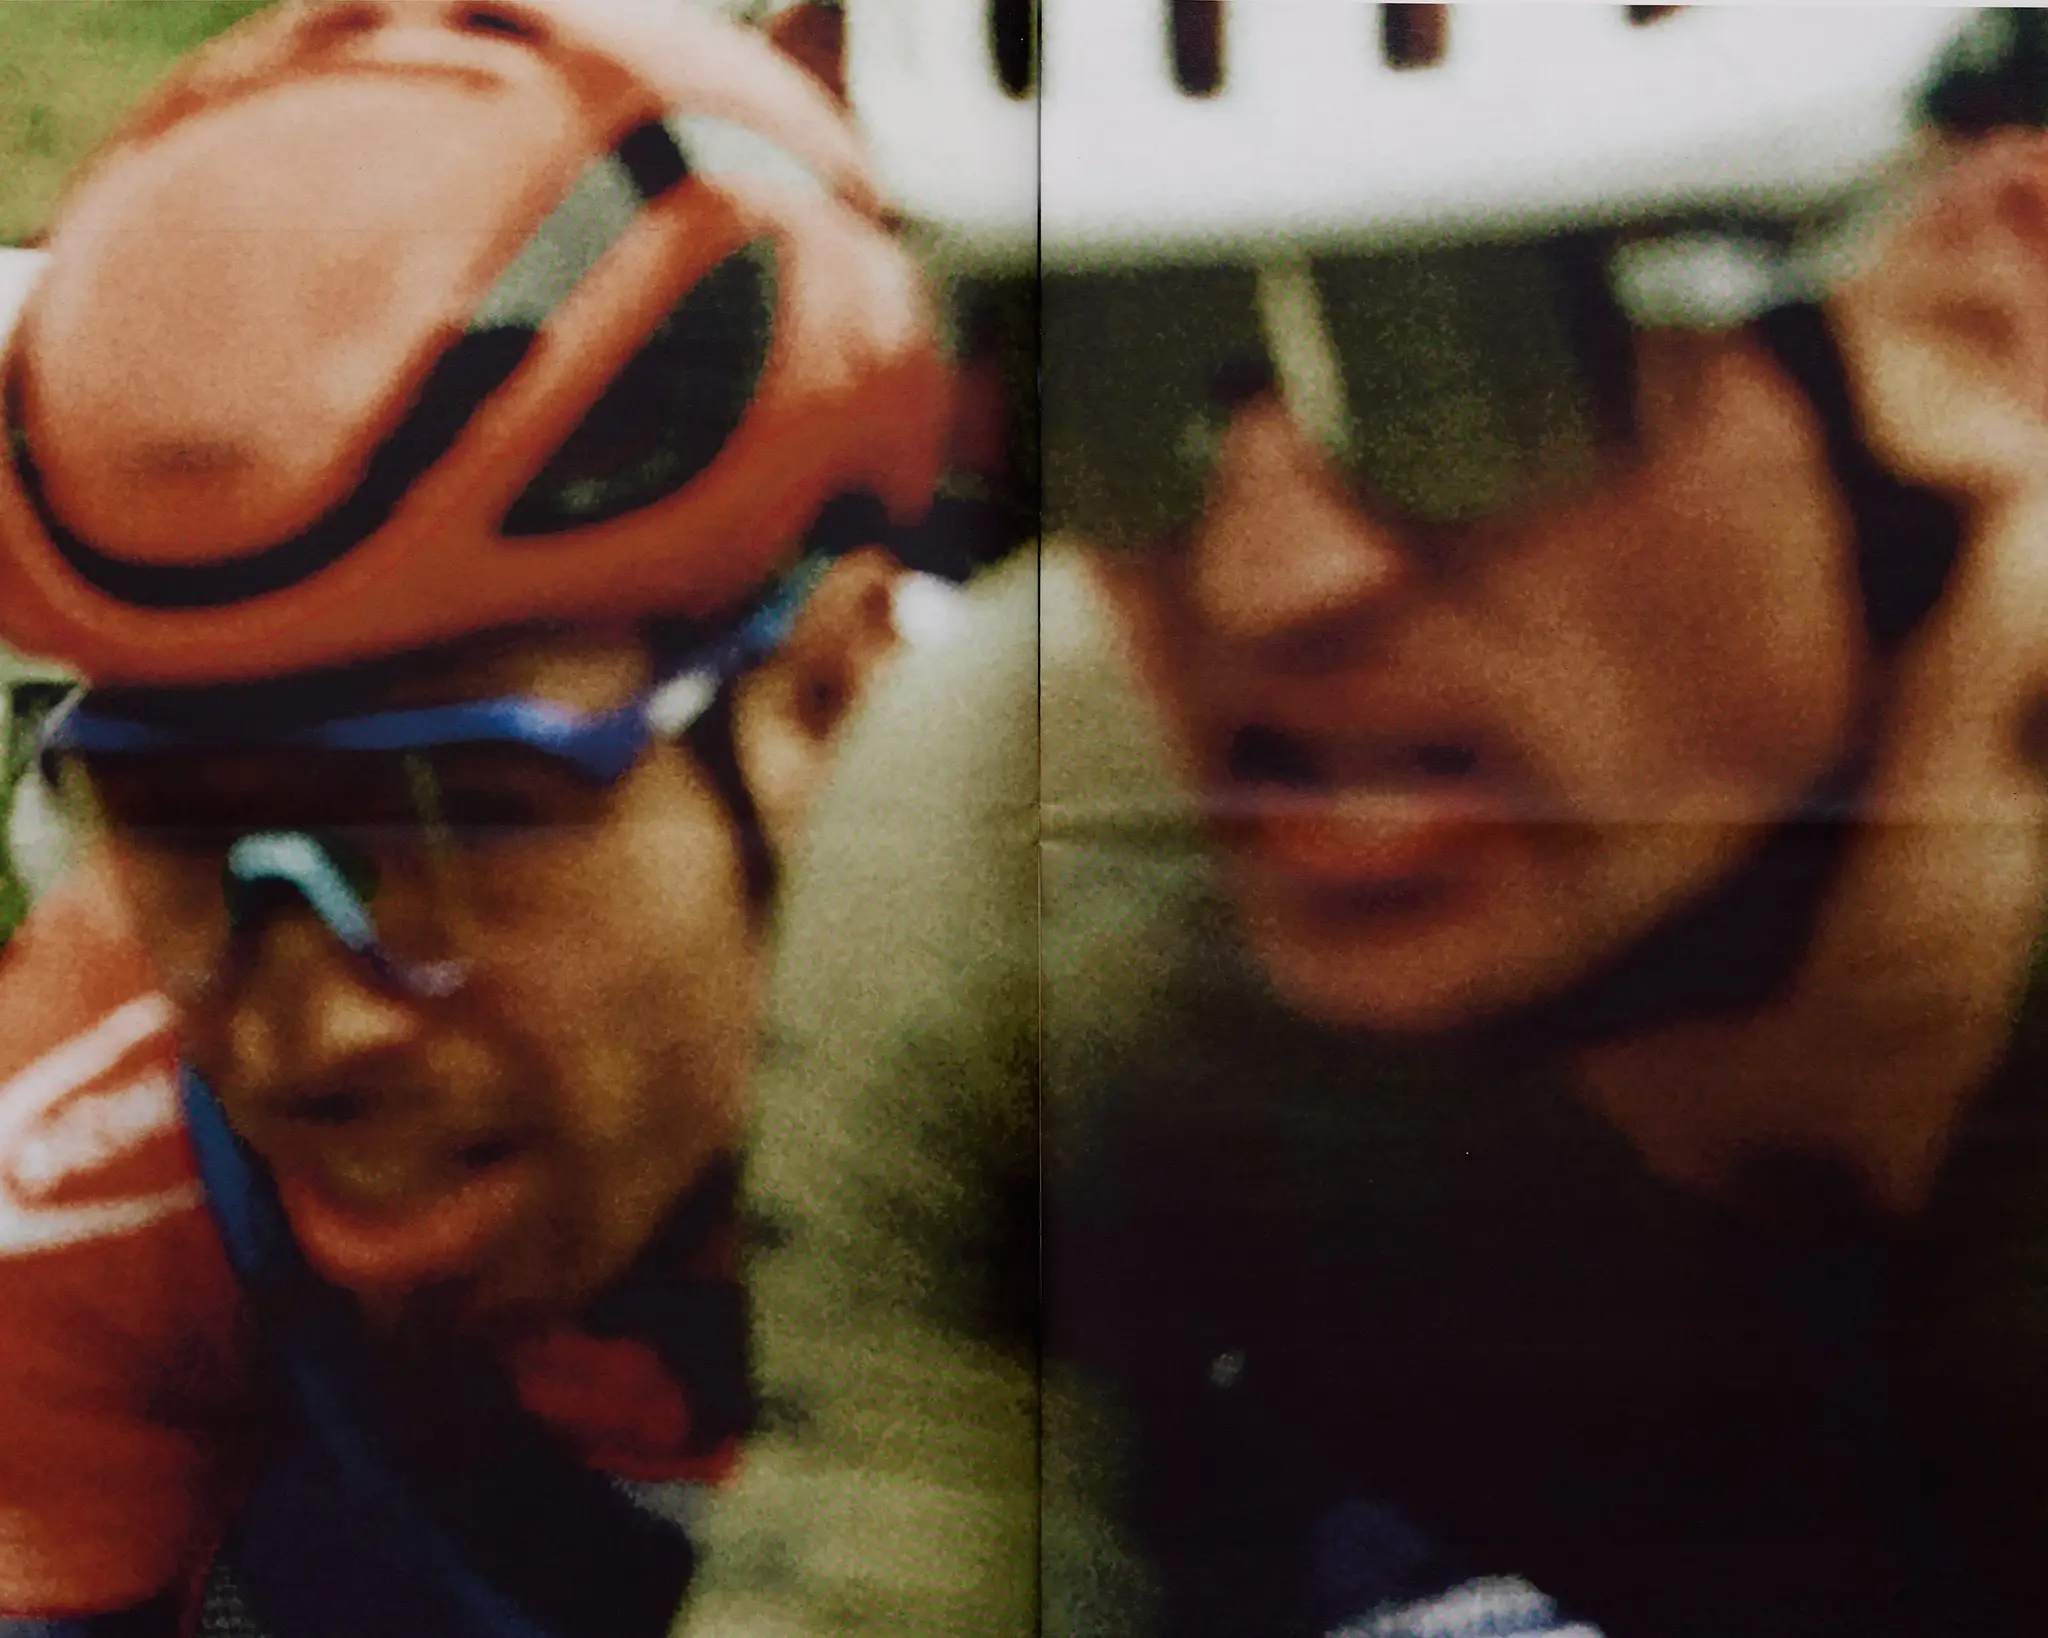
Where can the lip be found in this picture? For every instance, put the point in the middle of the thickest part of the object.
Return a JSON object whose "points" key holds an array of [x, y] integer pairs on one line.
{"points": [[1366, 816], [1361, 840], [378, 1252]]}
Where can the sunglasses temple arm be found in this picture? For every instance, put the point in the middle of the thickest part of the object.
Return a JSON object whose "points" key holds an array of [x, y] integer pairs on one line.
{"points": [[304, 867]]}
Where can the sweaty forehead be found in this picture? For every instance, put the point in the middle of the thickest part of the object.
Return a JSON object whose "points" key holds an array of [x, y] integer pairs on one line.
{"points": [[584, 668]]}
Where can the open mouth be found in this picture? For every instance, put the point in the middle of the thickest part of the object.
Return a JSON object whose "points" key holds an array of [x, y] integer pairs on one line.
{"points": [[1260, 758], [420, 1245], [1373, 815]]}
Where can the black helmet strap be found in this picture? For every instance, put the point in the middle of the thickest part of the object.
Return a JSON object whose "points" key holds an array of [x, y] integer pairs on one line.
{"points": [[1739, 946]]}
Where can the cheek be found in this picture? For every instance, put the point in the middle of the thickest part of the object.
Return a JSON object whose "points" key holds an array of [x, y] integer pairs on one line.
{"points": [[174, 915], [1732, 615], [642, 994]]}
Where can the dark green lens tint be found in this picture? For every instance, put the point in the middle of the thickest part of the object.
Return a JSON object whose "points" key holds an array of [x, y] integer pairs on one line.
{"points": [[1131, 362], [1466, 389], [1470, 380]]}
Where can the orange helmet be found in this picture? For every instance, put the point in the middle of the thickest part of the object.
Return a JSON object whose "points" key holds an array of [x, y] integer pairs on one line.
{"points": [[387, 322]]}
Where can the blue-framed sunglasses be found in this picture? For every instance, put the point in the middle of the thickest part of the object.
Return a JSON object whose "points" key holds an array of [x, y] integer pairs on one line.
{"points": [[601, 746], [262, 866]]}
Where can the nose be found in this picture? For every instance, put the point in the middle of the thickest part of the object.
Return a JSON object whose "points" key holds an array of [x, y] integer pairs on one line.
{"points": [[435, 1175], [304, 1011], [1285, 552]]}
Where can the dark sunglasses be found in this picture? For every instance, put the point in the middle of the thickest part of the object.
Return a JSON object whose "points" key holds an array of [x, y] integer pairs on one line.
{"points": [[1447, 384]]}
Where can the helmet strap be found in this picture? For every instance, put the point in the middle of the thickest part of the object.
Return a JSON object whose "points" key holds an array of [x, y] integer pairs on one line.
{"points": [[1735, 949], [1907, 538], [850, 520], [1724, 954], [713, 741]]}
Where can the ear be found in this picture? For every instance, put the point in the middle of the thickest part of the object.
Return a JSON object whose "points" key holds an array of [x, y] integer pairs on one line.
{"points": [[1946, 334], [787, 713]]}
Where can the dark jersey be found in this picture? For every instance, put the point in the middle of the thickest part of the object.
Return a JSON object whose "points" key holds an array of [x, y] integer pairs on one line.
{"points": [[1144, 1308]]}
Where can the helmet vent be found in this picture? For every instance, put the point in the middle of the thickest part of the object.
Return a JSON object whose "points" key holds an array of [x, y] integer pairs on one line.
{"points": [[670, 411], [1013, 42], [496, 20], [1195, 29], [1414, 36], [1643, 16]]}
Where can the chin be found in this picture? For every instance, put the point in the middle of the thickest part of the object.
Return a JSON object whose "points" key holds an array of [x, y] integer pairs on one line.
{"points": [[507, 1303], [1427, 978], [1362, 996]]}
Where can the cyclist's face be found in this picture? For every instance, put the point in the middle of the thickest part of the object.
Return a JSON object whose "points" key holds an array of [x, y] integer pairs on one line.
{"points": [[1453, 771], [499, 1155]]}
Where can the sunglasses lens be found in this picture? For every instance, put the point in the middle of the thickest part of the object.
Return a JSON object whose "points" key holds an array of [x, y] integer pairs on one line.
{"points": [[1449, 384], [177, 819], [1133, 364], [1468, 375]]}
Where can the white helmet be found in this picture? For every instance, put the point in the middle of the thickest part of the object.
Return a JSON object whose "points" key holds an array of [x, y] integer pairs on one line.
{"points": [[1434, 251], [1522, 118], [1722, 162]]}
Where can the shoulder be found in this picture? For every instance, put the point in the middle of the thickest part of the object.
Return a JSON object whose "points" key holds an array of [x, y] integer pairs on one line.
{"points": [[901, 1014], [941, 772], [958, 706], [922, 844], [91, 1128], [1138, 950], [122, 1320]]}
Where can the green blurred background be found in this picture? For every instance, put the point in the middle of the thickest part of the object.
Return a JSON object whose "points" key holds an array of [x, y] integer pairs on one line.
{"points": [[68, 70]]}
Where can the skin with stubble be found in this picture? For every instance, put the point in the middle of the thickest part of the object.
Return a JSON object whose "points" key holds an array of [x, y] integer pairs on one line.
{"points": [[505, 1151], [484, 1164], [1455, 771]]}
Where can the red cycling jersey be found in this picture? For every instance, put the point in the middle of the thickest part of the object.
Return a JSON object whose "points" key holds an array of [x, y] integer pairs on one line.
{"points": [[126, 1359]]}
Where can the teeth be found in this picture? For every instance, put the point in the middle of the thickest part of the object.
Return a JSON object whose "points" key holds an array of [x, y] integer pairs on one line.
{"points": [[1444, 761], [1265, 756], [1260, 755]]}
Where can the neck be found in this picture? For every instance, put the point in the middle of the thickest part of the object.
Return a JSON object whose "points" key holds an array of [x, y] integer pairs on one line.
{"points": [[1869, 1065], [1904, 1001]]}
